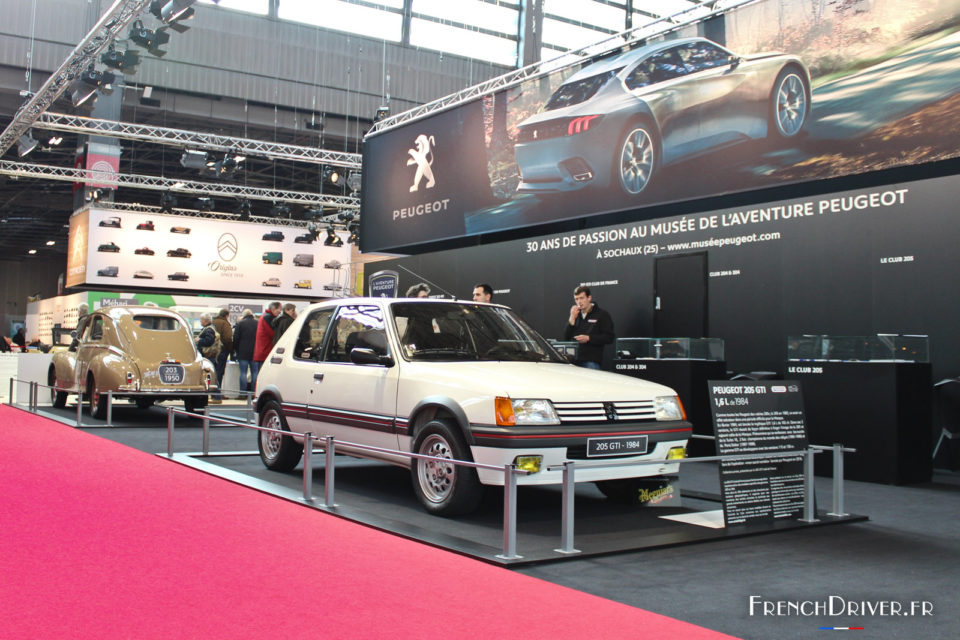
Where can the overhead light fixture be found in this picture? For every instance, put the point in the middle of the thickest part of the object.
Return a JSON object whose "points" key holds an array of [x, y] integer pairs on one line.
{"points": [[280, 210], [50, 243], [244, 209], [55, 140], [332, 239], [168, 202], [204, 204], [124, 61], [149, 39], [382, 112], [85, 86], [354, 181], [26, 143], [172, 12], [345, 216], [354, 235], [96, 195], [225, 168], [332, 176], [194, 159], [32, 251]]}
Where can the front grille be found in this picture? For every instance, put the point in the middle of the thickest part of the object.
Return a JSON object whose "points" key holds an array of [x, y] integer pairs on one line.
{"points": [[625, 411]]}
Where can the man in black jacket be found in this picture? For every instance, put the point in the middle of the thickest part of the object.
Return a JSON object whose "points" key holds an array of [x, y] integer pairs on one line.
{"points": [[244, 340], [283, 321], [589, 325]]}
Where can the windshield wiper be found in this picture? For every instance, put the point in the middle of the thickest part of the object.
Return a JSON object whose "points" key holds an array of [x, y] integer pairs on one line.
{"points": [[456, 353]]}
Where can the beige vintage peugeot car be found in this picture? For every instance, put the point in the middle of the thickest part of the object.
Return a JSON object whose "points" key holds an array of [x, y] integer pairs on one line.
{"points": [[142, 353]]}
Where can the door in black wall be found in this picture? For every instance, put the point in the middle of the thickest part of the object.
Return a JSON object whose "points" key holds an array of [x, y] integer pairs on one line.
{"points": [[680, 296]]}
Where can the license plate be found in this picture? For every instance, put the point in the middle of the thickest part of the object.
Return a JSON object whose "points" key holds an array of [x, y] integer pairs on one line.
{"points": [[171, 373], [616, 446]]}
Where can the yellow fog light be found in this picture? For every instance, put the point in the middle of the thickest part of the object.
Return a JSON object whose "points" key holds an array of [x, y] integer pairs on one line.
{"points": [[677, 453], [530, 464]]}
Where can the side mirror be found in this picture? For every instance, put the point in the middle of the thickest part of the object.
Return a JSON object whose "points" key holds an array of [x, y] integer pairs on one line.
{"points": [[735, 61], [363, 355], [73, 334]]}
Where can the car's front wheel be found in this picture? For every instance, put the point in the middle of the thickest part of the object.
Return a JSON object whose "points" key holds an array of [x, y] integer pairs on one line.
{"points": [[278, 452], [58, 398], [444, 489], [636, 160], [789, 103]]}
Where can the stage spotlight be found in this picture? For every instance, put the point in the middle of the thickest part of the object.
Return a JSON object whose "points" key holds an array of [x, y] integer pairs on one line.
{"points": [[244, 209], [280, 210], [86, 84], [332, 176], [168, 202], [354, 235], [149, 40], [172, 12], [26, 143], [55, 140], [354, 180], [332, 239], [204, 204], [194, 159], [125, 61], [345, 216], [382, 112]]}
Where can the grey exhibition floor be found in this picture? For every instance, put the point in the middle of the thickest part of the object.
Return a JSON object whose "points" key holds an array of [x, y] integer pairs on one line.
{"points": [[909, 550]]}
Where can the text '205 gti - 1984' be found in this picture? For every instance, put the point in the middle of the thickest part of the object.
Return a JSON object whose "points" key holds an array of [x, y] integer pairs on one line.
{"points": [[614, 123]]}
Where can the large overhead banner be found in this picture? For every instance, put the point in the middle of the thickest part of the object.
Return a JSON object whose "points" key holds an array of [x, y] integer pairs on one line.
{"points": [[111, 249], [784, 92]]}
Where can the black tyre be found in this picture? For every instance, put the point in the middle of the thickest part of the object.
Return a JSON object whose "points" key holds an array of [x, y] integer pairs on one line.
{"points": [[58, 398], [634, 491], [194, 404], [637, 157], [444, 489], [279, 453], [96, 401], [789, 104]]}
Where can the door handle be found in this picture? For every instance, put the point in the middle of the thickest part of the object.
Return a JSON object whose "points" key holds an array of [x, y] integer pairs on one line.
{"points": [[318, 376]]}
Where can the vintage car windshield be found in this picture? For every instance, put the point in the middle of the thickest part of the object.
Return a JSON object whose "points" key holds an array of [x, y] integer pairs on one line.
{"points": [[457, 331], [157, 336], [580, 91]]}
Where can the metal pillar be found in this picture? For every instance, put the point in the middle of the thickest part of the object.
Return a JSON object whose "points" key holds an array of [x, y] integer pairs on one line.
{"points": [[809, 511], [328, 476], [569, 493], [509, 514], [838, 482], [308, 467]]}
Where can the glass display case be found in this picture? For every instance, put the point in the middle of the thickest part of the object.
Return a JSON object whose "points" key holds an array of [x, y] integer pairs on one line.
{"points": [[883, 347], [568, 349], [669, 348]]}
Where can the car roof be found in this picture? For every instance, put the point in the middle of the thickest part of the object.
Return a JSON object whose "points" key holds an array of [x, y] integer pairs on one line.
{"points": [[385, 300], [118, 312], [628, 58]]}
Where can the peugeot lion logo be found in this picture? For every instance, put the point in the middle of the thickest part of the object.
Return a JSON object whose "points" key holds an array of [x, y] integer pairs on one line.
{"points": [[227, 247], [422, 156], [611, 411]]}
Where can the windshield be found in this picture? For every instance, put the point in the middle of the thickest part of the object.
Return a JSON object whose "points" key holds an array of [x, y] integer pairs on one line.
{"points": [[457, 331]]}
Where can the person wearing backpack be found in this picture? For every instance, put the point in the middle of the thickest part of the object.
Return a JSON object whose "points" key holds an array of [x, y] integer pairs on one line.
{"points": [[208, 344]]}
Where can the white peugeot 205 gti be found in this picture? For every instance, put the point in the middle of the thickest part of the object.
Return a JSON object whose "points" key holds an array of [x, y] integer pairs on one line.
{"points": [[464, 381]]}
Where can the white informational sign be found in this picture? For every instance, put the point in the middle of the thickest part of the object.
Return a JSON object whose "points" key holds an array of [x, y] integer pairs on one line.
{"points": [[130, 249]]}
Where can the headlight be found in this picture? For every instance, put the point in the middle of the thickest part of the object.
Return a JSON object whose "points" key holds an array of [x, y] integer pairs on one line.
{"points": [[511, 412], [669, 408]]}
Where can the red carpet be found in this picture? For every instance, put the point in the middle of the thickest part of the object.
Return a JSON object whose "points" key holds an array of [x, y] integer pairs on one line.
{"points": [[98, 540]]}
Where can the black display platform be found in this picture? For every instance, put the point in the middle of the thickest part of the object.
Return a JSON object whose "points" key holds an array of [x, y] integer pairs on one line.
{"points": [[381, 496], [881, 409], [689, 379]]}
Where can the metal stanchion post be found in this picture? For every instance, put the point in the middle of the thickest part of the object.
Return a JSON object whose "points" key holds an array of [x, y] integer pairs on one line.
{"points": [[328, 494], [249, 413], [32, 399], [509, 514], [79, 408], [838, 481], [10, 397], [110, 408], [169, 432], [206, 431], [809, 513], [308, 467], [569, 490]]}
